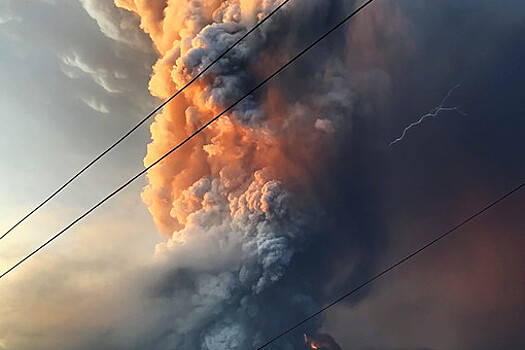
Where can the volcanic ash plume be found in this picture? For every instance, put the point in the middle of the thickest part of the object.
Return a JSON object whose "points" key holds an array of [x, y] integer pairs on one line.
{"points": [[236, 203]]}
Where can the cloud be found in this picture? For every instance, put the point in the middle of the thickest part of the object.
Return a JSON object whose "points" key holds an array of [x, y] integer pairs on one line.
{"points": [[243, 207], [86, 52], [96, 105], [107, 80], [85, 279], [446, 298], [55, 116], [117, 24]]}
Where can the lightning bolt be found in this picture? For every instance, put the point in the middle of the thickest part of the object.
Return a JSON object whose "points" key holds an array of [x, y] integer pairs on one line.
{"points": [[433, 113]]}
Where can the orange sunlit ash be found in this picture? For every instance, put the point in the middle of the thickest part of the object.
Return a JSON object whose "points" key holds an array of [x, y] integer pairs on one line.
{"points": [[229, 149]]}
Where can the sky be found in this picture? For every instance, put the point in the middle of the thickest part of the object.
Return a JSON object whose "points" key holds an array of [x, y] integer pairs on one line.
{"points": [[294, 199]]}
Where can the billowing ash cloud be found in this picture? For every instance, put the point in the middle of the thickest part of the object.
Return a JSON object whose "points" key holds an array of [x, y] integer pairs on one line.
{"points": [[239, 203], [262, 215]]}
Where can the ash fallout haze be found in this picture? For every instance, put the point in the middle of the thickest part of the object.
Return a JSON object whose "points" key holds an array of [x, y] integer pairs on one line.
{"points": [[329, 173]]}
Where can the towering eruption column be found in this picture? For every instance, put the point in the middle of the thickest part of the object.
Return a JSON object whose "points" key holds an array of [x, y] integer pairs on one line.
{"points": [[236, 203]]}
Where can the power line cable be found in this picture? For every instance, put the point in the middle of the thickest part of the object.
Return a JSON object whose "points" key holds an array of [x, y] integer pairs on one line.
{"points": [[140, 123], [127, 183], [392, 267]]}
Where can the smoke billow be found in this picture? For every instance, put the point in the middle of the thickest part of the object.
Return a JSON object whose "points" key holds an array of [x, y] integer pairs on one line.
{"points": [[239, 203]]}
